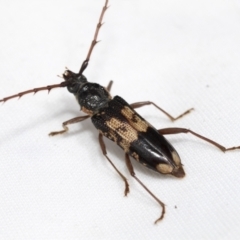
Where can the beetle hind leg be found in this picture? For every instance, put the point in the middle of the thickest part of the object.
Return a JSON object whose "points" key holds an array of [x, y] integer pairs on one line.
{"points": [[131, 170], [166, 131], [71, 121]]}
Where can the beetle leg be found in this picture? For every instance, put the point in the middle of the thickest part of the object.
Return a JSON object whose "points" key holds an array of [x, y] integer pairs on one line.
{"points": [[109, 86], [76, 119], [185, 130], [71, 121], [104, 151], [131, 170], [141, 104]]}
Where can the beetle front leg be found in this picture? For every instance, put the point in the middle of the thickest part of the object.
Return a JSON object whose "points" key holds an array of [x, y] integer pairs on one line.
{"points": [[166, 131], [104, 151], [71, 121], [131, 170], [141, 104], [109, 86]]}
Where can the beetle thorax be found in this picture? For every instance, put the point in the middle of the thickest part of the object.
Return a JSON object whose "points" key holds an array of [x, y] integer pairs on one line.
{"points": [[92, 97]]}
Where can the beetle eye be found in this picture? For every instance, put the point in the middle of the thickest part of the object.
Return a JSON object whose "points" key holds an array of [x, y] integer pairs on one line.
{"points": [[73, 88]]}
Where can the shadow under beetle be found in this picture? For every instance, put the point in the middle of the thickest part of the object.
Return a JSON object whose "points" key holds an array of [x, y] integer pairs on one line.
{"points": [[117, 120]]}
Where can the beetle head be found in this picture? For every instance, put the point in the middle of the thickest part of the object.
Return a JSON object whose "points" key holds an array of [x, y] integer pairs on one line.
{"points": [[90, 96], [74, 81]]}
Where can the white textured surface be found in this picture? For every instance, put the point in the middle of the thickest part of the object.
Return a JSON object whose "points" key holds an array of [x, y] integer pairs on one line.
{"points": [[179, 54]]}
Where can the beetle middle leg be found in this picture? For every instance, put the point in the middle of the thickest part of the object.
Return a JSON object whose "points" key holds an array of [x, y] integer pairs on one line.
{"points": [[71, 121], [141, 104], [131, 170], [104, 151], [166, 131]]}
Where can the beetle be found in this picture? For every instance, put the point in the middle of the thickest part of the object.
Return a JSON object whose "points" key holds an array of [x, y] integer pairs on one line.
{"points": [[118, 121]]}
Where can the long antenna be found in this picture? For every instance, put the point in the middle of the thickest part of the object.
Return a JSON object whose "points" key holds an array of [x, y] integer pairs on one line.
{"points": [[35, 90], [94, 41], [83, 67]]}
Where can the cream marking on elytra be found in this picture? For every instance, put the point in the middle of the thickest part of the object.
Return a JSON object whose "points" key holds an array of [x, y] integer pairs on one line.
{"points": [[134, 120]]}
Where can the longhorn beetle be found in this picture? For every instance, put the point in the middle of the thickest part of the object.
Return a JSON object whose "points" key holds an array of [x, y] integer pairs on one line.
{"points": [[117, 120]]}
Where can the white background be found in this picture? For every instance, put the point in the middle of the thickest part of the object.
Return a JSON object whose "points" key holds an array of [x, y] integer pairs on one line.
{"points": [[179, 54]]}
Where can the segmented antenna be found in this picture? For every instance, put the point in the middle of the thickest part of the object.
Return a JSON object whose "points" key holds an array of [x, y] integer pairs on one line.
{"points": [[35, 90], [94, 41], [83, 67]]}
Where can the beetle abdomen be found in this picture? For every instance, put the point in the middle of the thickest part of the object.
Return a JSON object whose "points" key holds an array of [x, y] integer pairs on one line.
{"points": [[120, 123]]}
